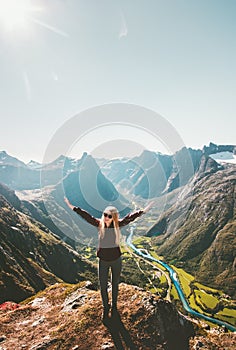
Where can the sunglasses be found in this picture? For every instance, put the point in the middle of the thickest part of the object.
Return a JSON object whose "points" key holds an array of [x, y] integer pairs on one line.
{"points": [[107, 215]]}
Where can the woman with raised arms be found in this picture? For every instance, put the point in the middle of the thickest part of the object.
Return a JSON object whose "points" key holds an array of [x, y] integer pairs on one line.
{"points": [[108, 251]]}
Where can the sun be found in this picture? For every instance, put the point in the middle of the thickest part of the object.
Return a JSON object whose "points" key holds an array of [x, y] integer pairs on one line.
{"points": [[15, 14]]}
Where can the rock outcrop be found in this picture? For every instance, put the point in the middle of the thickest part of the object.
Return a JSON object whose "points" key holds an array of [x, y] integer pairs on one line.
{"points": [[66, 316], [69, 317]]}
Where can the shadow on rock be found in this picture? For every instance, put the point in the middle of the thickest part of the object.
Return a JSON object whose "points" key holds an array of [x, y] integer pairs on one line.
{"points": [[118, 332], [166, 329]]}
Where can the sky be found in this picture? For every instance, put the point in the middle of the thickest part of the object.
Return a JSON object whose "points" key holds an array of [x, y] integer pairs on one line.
{"points": [[59, 58]]}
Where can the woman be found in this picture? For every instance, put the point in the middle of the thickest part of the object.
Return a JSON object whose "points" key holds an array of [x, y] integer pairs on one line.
{"points": [[108, 252]]}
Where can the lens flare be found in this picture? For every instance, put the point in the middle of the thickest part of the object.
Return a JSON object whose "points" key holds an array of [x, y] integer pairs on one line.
{"points": [[14, 14]]}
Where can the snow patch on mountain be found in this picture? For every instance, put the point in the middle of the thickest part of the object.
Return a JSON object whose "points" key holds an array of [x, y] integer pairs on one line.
{"points": [[34, 165], [30, 195], [224, 157]]}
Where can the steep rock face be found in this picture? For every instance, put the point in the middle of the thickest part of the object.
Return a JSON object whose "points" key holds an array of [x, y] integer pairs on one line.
{"points": [[90, 189], [10, 196], [69, 317], [208, 166], [185, 163], [32, 258], [139, 175], [153, 174], [156, 169], [199, 230]]}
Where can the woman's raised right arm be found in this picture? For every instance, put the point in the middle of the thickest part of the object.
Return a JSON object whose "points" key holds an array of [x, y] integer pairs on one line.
{"points": [[66, 200], [83, 213]]}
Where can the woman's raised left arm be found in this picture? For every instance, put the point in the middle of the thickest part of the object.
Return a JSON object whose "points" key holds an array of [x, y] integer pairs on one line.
{"points": [[132, 216]]}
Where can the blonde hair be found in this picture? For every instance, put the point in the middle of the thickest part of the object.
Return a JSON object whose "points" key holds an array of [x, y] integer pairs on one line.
{"points": [[115, 217]]}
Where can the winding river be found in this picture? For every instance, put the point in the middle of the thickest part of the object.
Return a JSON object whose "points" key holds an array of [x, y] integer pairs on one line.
{"points": [[177, 285]]}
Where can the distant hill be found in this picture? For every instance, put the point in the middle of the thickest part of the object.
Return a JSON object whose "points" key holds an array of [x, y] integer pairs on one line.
{"points": [[31, 257], [199, 230]]}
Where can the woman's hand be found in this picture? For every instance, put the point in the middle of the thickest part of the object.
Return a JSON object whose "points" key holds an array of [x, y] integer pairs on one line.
{"points": [[147, 208], [66, 200]]}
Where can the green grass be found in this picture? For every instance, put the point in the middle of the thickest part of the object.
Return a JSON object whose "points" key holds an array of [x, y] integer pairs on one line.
{"points": [[193, 304], [205, 299], [163, 279], [155, 255], [141, 240], [207, 289], [174, 294], [185, 279], [227, 315]]}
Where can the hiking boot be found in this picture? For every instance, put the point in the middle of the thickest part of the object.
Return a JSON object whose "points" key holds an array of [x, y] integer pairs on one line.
{"points": [[114, 311], [105, 312]]}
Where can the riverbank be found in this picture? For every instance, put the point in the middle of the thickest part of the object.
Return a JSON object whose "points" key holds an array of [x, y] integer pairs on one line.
{"points": [[173, 275]]}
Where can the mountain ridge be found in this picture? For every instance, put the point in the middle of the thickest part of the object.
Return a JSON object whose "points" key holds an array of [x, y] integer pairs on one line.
{"points": [[136, 174]]}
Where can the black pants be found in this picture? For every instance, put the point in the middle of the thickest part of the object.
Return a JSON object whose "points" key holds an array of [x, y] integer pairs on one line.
{"points": [[103, 273]]}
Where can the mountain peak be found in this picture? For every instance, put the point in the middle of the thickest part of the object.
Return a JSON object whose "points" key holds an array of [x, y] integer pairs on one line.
{"points": [[6, 159], [33, 164]]}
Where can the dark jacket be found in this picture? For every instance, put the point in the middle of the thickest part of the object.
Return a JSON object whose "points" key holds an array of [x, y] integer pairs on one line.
{"points": [[108, 249]]}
